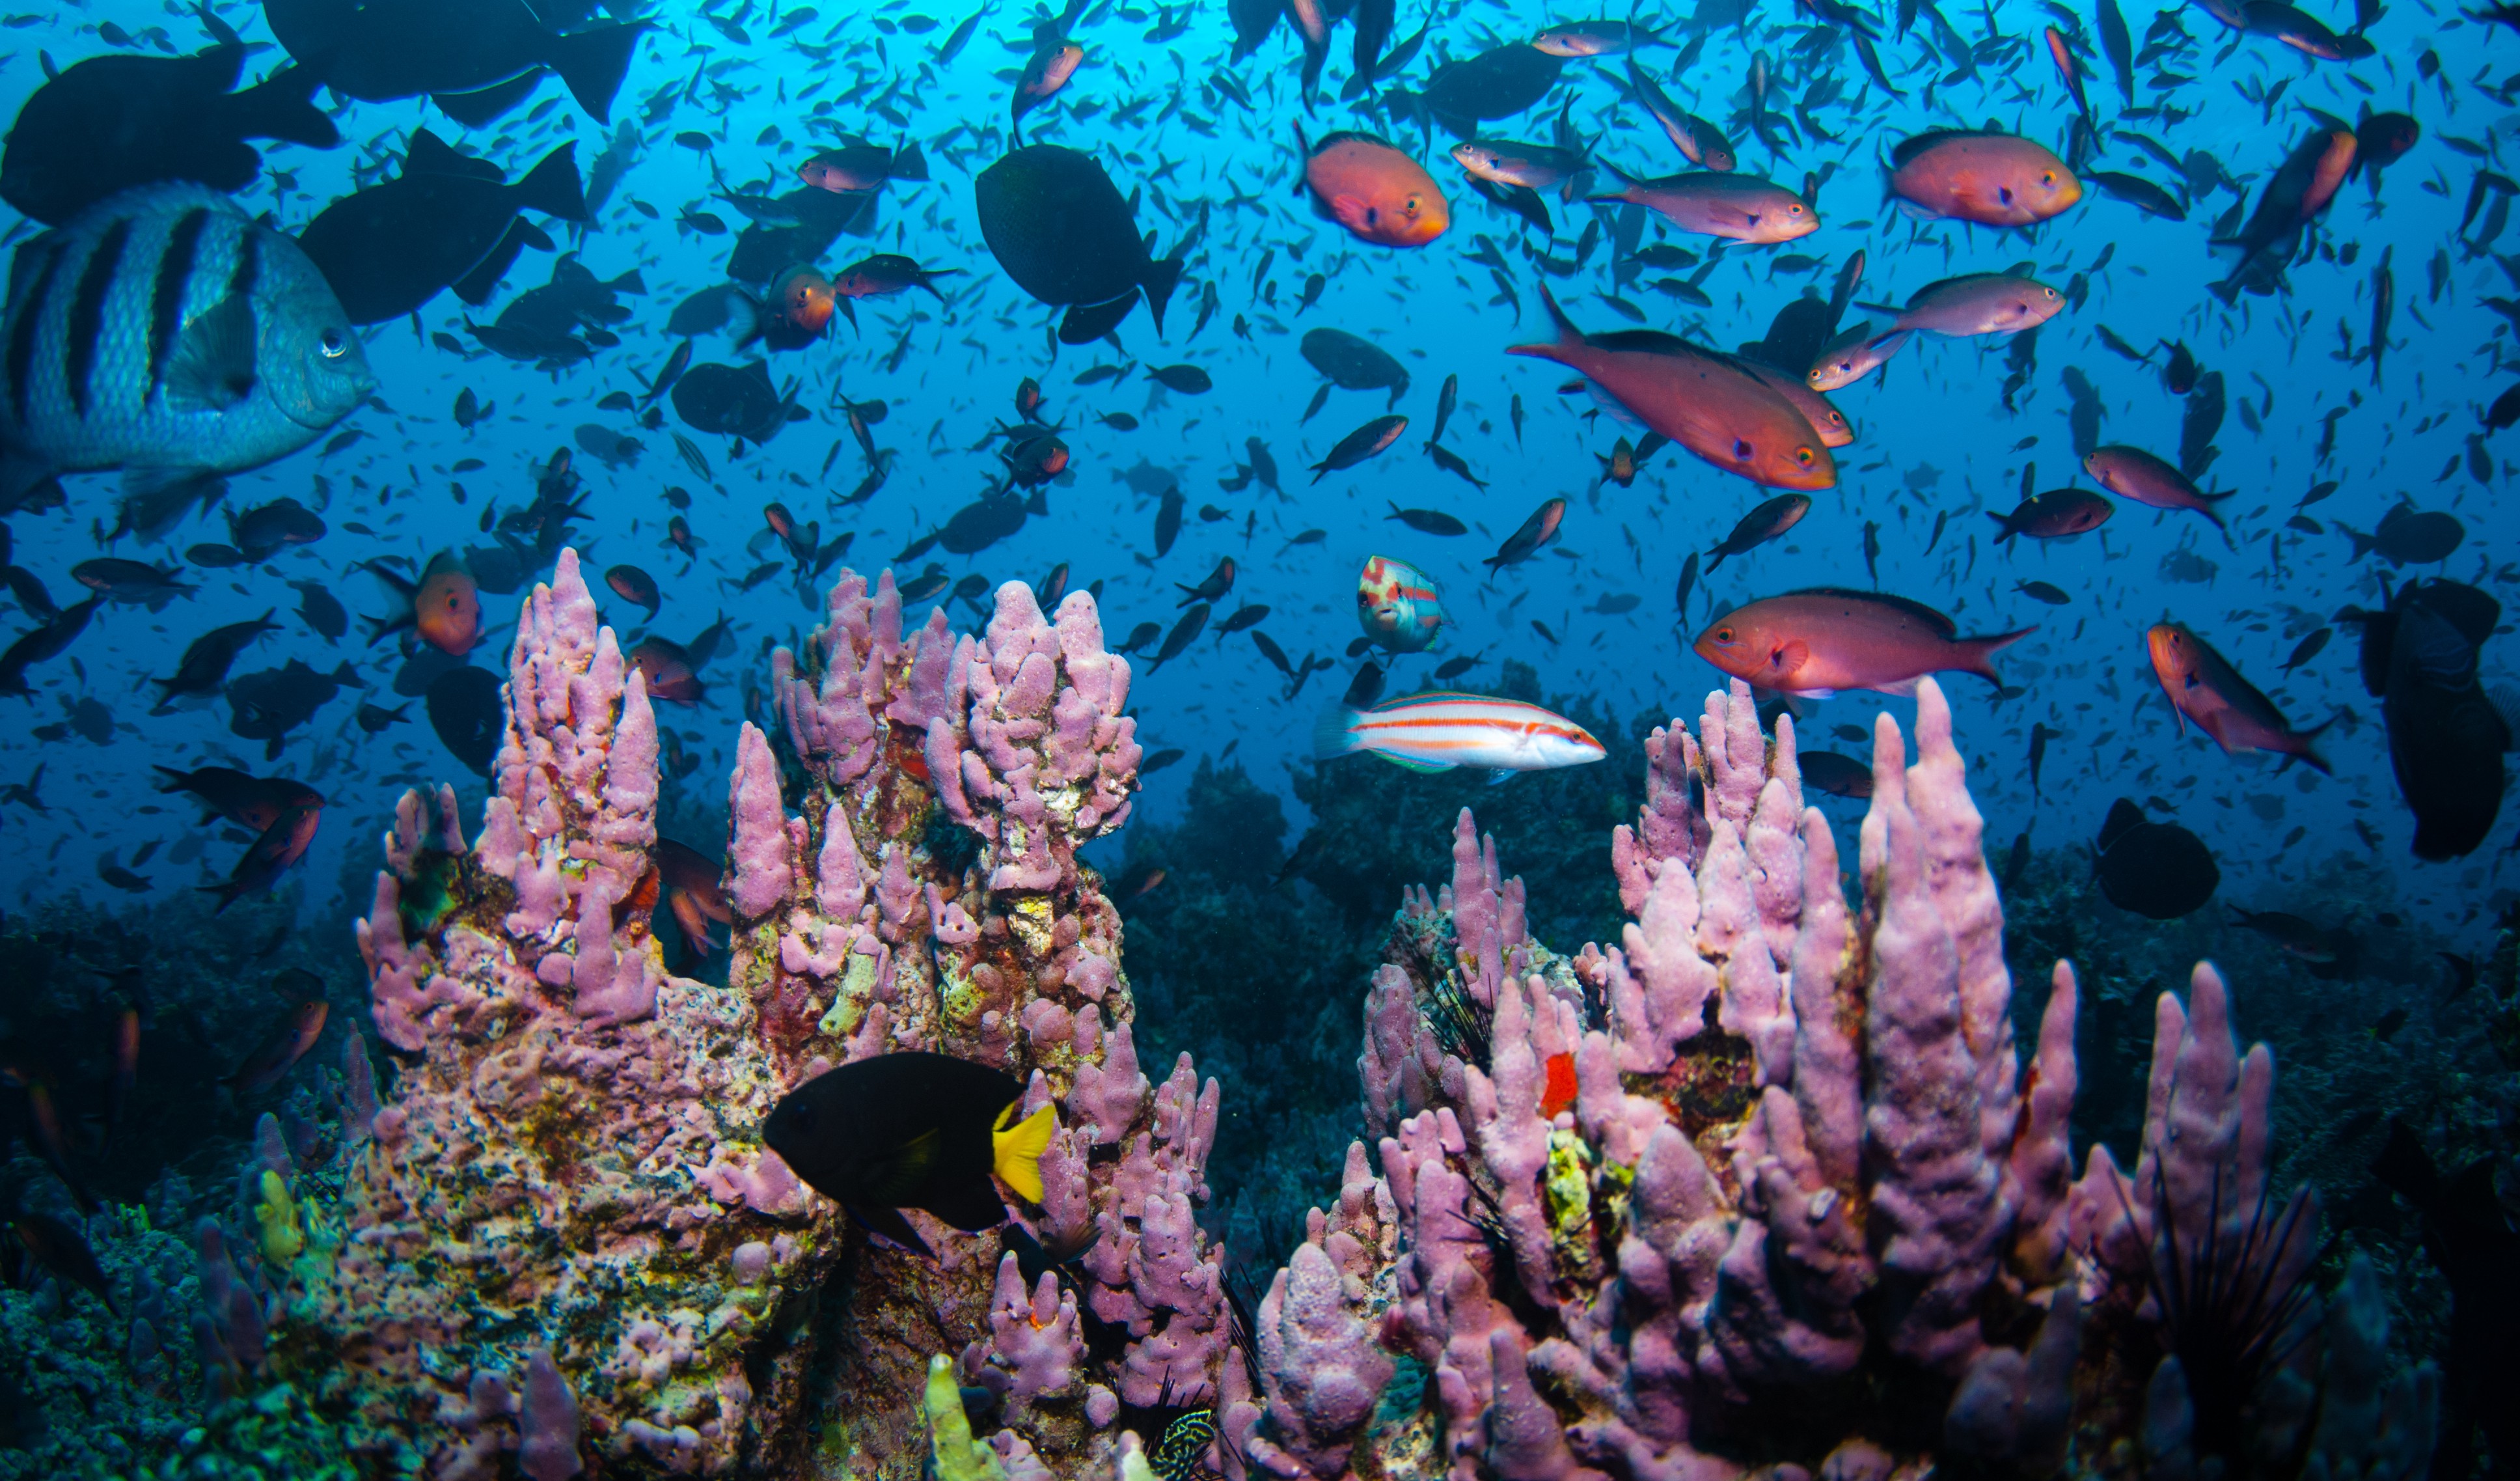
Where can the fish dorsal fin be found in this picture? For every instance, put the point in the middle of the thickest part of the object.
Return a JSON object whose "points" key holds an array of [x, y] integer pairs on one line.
{"points": [[1938, 621], [2123, 817], [212, 367], [1016, 1150], [1909, 148], [427, 155]]}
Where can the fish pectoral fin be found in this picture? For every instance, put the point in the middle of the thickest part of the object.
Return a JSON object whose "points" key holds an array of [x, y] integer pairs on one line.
{"points": [[212, 365], [1353, 212], [1499, 776], [908, 1168], [1791, 657]]}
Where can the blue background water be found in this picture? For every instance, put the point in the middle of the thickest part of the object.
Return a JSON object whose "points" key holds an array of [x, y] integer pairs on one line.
{"points": [[1935, 438]]}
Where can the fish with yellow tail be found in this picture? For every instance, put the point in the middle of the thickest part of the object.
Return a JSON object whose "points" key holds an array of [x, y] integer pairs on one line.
{"points": [[1815, 643], [913, 1129], [2202, 686], [1437, 731]]}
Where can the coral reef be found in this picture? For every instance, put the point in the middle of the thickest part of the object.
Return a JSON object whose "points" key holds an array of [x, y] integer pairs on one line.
{"points": [[560, 1242], [1765, 1185]]}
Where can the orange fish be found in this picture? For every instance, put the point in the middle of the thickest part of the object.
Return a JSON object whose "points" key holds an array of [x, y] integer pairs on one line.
{"points": [[443, 606], [2202, 686], [1374, 189], [801, 300], [1991, 179], [669, 671], [1558, 1094]]}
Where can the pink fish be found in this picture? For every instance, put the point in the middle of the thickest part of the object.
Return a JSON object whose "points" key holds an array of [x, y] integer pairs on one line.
{"points": [[2203, 686]]}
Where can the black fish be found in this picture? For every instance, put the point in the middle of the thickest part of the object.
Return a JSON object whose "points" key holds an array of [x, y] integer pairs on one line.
{"points": [[1359, 445], [2447, 737], [988, 519], [2407, 536], [1428, 522], [2157, 870], [205, 663], [112, 122], [1496, 83], [268, 704], [444, 222], [463, 710], [734, 402], [1185, 633], [475, 59], [1062, 231], [1354, 363], [1760, 525], [1836, 774], [913, 1129]]}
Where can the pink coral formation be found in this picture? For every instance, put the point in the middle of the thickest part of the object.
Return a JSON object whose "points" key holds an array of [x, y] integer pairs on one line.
{"points": [[564, 1243], [1798, 1157]]}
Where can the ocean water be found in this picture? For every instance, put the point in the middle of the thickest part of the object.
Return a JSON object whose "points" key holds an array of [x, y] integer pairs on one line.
{"points": [[741, 93]]}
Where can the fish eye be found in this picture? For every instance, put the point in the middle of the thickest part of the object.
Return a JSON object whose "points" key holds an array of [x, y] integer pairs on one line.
{"points": [[1723, 635], [2048, 177], [1411, 205], [1803, 456], [333, 347], [1740, 449]]}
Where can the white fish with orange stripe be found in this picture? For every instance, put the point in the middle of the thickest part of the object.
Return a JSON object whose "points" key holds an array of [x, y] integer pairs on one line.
{"points": [[1437, 731]]}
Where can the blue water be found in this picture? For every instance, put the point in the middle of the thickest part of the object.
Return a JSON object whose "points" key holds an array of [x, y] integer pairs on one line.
{"points": [[1934, 437]]}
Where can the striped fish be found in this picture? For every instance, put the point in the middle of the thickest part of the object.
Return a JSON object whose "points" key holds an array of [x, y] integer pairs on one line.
{"points": [[1437, 731], [164, 334]]}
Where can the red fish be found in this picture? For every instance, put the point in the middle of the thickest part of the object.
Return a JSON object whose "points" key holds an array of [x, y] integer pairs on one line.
{"points": [[670, 673], [1374, 189], [280, 1049], [2202, 686], [280, 846], [1815, 643], [444, 606]]}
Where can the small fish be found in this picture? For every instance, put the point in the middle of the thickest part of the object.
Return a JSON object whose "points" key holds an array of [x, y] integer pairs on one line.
{"points": [[1397, 606], [1428, 522], [64, 1250], [1819, 642], [2202, 686], [1525, 542], [279, 1050], [1367, 442], [1760, 525]]}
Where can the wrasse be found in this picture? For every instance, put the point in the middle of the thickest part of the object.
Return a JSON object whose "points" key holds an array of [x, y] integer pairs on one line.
{"points": [[1437, 731]]}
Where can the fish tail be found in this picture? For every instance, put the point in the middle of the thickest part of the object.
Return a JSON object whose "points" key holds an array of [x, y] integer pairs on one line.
{"points": [[282, 107], [1334, 733], [1982, 651], [591, 63], [1017, 1150], [2003, 524], [1568, 335], [552, 187], [1163, 274], [2309, 752]]}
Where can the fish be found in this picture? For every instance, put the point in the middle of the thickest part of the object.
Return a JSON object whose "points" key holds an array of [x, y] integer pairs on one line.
{"points": [[2408, 537], [735, 401], [2131, 473], [1535, 531], [1354, 363], [1368, 441], [1399, 607], [860, 168], [1718, 203], [468, 55], [109, 123], [268, 704], [61, 1249], [1059, 229], [1218, 582], [1044, 74], [163, 334], [1499, 83], [250, 802], [280, 846], [1815, 643], [1836, 774], [1700, 398], [2138, 192], [203, 670], [1373, 188], [1436, 731], [279, 1050], [2448, 736], [1854, 355], [883, 274], [264, 530], [1990, 179], [2040, 591], [2293, 935], [447, 220], [2159, 870], [1532, 167], [2203, 687], [466, 711], [443, 606], [913, 1129], [2056, 514], [1697, 141], [1428, 522], [1594, 38], [1976, 303], [1767, 521], [798, 308]]}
